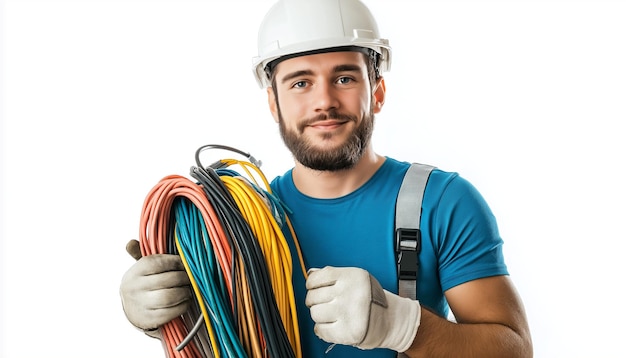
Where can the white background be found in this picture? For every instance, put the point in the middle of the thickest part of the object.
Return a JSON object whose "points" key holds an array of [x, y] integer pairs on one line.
{"points": [[100, 99]]}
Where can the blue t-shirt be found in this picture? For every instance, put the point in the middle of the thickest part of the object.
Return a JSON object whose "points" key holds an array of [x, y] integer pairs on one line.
{"points": [[460, 240]]}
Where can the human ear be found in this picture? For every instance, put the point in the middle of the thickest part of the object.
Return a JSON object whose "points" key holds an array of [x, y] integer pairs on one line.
{"points": [[378, 95], [273, 103]]}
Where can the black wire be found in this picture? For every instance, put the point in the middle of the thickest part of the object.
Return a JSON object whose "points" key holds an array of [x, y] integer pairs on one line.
{"points": [[240, 234], [218, 164], [171, 242]]}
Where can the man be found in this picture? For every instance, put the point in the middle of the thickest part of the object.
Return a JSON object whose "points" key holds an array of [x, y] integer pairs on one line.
{"points": [[321, 62]]}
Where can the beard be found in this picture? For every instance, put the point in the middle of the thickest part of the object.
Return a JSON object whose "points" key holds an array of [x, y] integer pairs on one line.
{"points": [[342, 157]]}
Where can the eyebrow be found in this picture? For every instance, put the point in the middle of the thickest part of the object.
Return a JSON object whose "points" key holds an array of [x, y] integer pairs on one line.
{"points": [[295, 74], [336, 69]]}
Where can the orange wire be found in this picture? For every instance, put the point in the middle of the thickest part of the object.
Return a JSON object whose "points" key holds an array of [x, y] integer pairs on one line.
{"points": [[154, 228], [153, 240]]}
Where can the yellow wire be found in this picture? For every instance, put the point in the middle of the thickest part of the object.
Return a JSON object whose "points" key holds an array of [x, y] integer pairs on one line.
{"points": [[256, 211], [248, 315], [199, 298], [277, 257], [245, 165], [267, 188]]}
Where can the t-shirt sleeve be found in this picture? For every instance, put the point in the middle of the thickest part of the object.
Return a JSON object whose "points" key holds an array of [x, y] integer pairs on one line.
{"points": [[468, 242]]}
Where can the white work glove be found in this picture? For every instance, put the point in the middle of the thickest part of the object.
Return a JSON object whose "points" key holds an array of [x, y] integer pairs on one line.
{"points": [[350, 307], [154, 290]]}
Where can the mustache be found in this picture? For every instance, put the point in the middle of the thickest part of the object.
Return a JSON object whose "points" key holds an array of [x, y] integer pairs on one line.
{"points": [[326, 116]]}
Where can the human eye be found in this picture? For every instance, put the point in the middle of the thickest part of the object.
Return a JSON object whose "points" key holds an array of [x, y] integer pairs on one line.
{"points": [[299, 84], [344, 80]]}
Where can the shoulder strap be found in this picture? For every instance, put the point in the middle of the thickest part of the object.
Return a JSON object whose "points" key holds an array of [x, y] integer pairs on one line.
{"points": [[408, 236]]}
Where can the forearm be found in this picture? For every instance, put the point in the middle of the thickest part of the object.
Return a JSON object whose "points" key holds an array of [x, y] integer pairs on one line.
{"points": [[438, 337]]}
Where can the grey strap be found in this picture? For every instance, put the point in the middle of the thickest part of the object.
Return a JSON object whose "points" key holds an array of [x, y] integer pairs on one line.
{"points": [[408, 215], [408, 236]]}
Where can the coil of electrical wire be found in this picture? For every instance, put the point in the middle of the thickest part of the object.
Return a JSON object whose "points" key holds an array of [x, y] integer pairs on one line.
{"points": [[227, 229]]}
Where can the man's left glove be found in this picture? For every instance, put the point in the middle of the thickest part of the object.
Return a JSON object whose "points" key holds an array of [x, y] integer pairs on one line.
{"points": [[350, 307]]}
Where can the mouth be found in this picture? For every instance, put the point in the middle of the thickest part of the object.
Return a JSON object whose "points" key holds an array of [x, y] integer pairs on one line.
{"points": [[327, 124]]}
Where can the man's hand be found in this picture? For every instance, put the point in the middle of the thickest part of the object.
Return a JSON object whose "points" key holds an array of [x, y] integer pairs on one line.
{"points": [[155, 289], [349, 307]]}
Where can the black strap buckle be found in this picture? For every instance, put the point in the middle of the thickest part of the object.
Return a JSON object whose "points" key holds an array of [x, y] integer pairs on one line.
{"points": [[408, 247]]}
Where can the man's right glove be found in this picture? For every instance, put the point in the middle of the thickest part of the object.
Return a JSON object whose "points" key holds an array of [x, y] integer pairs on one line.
{"points": [[349, 306], [155, 290]]}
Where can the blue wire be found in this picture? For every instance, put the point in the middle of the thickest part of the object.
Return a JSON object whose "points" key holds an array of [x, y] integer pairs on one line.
{"points": [[212, 297], [196, 246]]}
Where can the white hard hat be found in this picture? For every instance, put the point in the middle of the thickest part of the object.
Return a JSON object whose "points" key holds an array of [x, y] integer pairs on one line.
{"points": [[294, 27]]}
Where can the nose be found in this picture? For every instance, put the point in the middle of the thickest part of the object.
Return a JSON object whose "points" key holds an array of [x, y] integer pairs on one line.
{"points": [[326, 98]]}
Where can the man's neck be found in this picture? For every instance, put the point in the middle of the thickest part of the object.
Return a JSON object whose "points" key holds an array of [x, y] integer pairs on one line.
{"points": [[334, 184]]}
